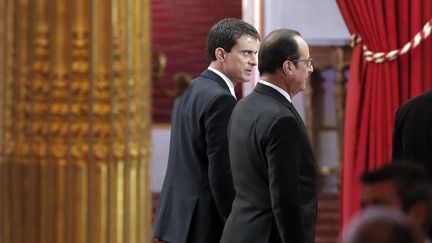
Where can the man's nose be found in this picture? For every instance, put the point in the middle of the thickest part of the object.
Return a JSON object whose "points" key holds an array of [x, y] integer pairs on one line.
{"points": [[253, 60]]}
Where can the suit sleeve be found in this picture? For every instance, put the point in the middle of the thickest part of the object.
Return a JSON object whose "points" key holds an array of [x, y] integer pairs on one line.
{"points": [[219, 169], [283, 152], [397, 140]]}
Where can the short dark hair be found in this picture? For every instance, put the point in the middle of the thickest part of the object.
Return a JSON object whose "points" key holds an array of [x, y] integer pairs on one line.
{"points": [[277, 47], [225, 34], [411, 181]]}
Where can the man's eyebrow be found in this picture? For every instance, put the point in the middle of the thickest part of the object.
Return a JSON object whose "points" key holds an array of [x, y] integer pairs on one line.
{"points": [[249, 50]]}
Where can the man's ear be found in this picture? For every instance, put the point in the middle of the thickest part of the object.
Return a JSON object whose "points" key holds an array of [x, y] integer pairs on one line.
{"points": [[220, 54], [287, 67], [418, 214]]}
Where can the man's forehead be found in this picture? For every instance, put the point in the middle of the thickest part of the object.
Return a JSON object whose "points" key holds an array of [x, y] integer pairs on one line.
{"points": [[380, 192], [383, 186], [247, 42]]}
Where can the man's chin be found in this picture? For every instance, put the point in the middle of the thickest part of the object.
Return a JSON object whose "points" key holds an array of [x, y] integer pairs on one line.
{"points": [[245, 80], [302, 88]]}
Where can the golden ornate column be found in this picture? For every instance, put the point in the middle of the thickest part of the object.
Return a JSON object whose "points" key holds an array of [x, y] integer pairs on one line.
{"points": [[75, 121]]}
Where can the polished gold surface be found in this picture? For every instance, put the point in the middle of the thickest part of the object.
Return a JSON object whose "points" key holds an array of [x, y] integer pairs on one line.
{"points": [[75, 121]]}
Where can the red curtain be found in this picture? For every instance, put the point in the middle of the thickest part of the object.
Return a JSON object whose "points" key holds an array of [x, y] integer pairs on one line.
{"points": [[375, 90]]}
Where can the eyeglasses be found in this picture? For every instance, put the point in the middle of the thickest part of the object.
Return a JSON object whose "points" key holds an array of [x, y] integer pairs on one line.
{"points": [[308, 61]]}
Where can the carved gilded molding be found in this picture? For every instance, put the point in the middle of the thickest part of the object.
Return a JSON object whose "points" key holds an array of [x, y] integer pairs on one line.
{"points": [[75, 121]]}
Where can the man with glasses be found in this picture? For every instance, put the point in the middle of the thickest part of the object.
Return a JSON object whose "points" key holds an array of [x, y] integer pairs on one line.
{"points": [[273, 166], [197, 192]]}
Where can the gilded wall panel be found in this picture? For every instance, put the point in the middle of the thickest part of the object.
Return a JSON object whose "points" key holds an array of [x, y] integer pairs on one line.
{"points": [[74, 121]]}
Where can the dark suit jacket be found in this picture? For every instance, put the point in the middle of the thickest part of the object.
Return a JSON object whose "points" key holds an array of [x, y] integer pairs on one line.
{"points": [[197, 193], [274, 172], [412, 134]]}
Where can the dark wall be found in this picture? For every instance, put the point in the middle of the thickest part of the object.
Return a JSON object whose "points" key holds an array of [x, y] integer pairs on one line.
{"points": [[179, 29]]}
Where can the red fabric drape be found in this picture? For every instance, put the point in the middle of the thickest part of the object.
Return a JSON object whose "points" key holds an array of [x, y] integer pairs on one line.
{"points": [[375, 91]]}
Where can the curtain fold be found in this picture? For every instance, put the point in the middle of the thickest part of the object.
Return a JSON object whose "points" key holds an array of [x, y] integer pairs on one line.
{"points": [[375, 90]]}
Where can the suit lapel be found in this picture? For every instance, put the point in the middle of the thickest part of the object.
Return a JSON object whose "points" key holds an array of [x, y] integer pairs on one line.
{"points": [[213, 76], [269, 91], [264, 89], [297, 115]]}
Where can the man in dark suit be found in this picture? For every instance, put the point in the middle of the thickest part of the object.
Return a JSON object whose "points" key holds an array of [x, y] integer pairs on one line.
{"points": [[412, 134], [197, 192], [273, 166]]}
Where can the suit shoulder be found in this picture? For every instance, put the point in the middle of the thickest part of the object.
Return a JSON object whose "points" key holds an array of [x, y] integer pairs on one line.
{"points": [[209, 87], [264, 109], [419, 103], [206, 81], [204, 93]]}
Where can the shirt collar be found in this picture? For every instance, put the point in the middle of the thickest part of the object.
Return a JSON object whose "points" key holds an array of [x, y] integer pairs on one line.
{"points": [[226, 79], [283, 92]]}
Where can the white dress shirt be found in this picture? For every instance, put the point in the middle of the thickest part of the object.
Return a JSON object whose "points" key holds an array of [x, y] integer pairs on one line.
{"points": [[283, 92], [226, 79]]}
